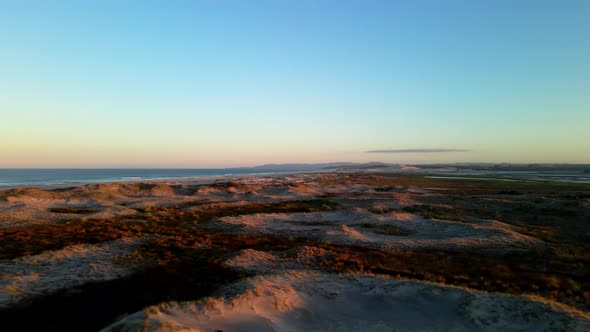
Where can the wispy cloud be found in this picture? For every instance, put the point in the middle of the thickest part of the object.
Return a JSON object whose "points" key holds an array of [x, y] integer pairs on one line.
{"points": [[418, 151]]}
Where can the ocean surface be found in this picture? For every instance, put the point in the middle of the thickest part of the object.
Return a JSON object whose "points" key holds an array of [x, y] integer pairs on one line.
{"points": [[34, 177]]}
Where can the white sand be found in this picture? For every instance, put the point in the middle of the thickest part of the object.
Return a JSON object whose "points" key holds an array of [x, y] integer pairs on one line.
{"points": [[308, 301]]}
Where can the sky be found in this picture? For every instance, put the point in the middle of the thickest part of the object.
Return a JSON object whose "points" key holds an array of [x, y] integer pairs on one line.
{"points": [[237, 83]]}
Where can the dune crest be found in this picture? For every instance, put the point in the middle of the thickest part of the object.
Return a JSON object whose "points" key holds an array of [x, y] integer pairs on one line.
{"points": [[308, 301]]}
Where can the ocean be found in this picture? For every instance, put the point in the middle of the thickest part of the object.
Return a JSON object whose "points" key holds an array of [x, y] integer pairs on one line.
{"points": [[34, 177]]}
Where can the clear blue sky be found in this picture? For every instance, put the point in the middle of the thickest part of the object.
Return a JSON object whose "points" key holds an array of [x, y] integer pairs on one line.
{"points": [[227, 83]]}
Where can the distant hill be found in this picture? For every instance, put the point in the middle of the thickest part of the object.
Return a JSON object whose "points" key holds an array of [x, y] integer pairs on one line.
{"points": [[318, 167], [385, 167]]}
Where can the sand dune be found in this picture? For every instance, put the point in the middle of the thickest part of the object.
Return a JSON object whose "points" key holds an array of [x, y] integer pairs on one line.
{"points": [[291, 230], [29, 276], [28, 206], [307, 301]]}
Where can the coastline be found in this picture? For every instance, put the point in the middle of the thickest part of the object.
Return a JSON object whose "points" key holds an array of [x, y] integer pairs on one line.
{"points": [[189, 180]]}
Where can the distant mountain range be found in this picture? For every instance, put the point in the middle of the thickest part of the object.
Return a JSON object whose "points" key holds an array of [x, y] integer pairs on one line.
{"points": [[350, 166], [318, 167]]}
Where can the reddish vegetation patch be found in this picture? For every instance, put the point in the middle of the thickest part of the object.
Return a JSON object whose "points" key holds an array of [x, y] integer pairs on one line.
{"points": [[166, 220], [178, 213], [535, 272], [72, 210], [386, 229]]}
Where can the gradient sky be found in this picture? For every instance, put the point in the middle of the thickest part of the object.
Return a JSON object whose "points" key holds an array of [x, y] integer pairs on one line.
{"points": [[233, 83]]}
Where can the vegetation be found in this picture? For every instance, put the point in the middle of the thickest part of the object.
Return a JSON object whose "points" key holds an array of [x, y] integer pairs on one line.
{"points": [[435, 212], [72, 210], [386, 229]]}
